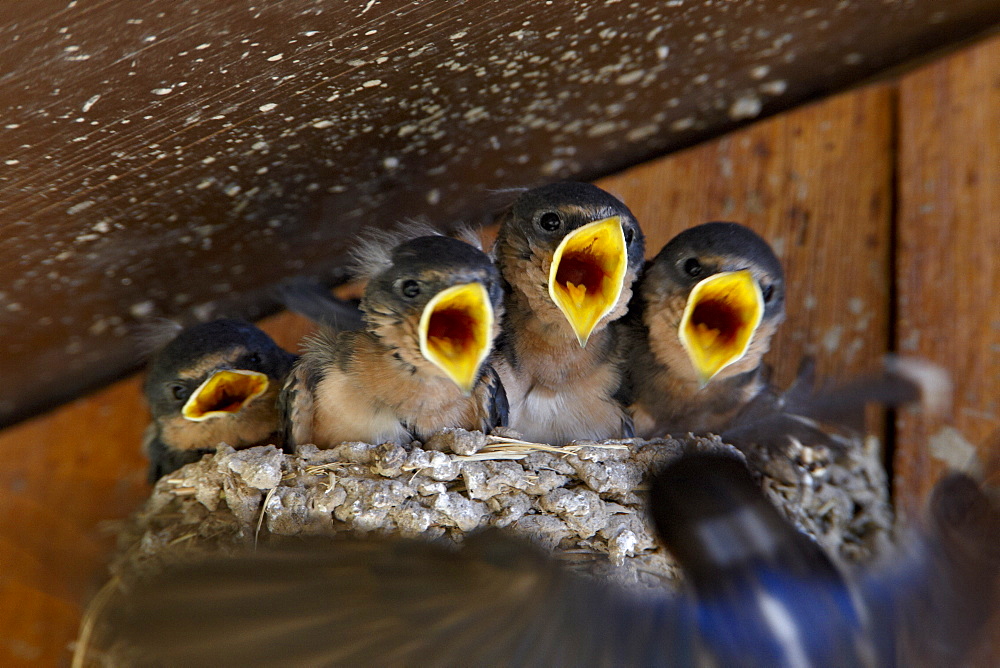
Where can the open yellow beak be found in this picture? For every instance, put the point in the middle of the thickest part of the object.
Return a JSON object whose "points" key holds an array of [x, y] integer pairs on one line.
{"points": [[588, 273], [224, 393], [456, 332], [720, 318]]}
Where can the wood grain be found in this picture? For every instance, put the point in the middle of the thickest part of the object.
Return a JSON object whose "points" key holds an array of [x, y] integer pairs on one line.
{"points": [[816, 183], [949, 255]]}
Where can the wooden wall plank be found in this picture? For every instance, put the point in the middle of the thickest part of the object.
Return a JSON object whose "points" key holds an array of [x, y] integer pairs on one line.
{"points": [[949, 253], [816, 183], [67, 476]]}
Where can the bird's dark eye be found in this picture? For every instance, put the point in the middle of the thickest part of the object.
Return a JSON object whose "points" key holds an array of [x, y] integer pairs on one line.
{"points": [[550, 221], [768, 292], [254, 359], [180, 392], [692, 267], [629, 234], [409, 288]]}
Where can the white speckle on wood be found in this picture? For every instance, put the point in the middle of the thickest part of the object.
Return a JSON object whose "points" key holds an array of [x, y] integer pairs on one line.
{"points": [[82, 206], [776, 87], [682, 124], [747, 106], [760, 71], [91, 101], [270, 106], [276, 57], [141, 309], [322, 125], [433, 196], [162, 91], [371, 83]]}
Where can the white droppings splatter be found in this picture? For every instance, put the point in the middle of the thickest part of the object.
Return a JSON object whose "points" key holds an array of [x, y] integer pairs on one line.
{"points": [[208, 161], [682, 124], [831, 340], [259, 146], [357, 62], [372, 31], [602, 129], [204, 183], [311, 33], [102, 227], [371, 83], [391, 162], [760, 71], [12, 126], [270, 106], [629, 77], [162, 91], [458, 35], [747, 106], [433, 196], [642, 132], [232, 190], [662, 52], [11, 162], [322, 125], [142, 309], [91, 101], [202, 46], [776, 87], [810, 302], [475, 114], [276, 57], [82, 206], [855, 305]]}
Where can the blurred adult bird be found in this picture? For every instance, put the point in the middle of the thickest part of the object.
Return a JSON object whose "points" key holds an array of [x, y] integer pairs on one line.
{"points": [[216, 382], [705, 310], [432, 309], [569, 253], [759, 593]]}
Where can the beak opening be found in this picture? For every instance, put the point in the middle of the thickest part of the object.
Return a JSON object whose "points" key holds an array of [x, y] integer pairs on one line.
{"points": [[720, 318], [456, 332], [224, 393], [588, 274]]}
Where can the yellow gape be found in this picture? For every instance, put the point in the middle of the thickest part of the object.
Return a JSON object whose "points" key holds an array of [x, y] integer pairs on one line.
{"points": [[720, 318], [224, 393], [588, 273], [456, 332]]}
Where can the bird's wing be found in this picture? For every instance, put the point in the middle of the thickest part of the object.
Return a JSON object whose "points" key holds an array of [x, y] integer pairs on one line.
{"points": [[493, 398], [813, 416], [295, 405], [941, 589], [315, 302], [390, 602]]}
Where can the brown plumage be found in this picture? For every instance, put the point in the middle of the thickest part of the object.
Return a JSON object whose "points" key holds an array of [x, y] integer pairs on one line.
{"points": [[561, 379], [666, 392], [377, 385]]}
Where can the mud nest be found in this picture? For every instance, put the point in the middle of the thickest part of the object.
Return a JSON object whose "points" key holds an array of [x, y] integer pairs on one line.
{"points": [[585, 502]]}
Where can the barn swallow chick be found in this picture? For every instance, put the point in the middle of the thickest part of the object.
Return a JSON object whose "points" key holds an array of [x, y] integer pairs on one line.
{"points": [[432, 309], [216, 382], [703, 316], [569, 253], [761, 594]]}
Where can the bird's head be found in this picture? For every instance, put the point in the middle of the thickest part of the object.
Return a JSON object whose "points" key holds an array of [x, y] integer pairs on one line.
{"points": [[572, 250]]}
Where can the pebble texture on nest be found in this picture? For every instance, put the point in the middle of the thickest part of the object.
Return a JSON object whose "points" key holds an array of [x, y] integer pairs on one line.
{"points": [[585, 502]]}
